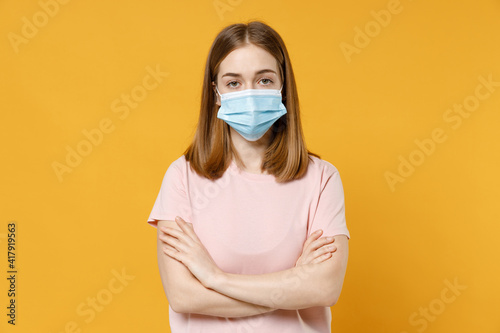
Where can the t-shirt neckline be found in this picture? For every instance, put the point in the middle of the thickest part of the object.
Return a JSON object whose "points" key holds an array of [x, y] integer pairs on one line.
{"points": [[249, 175]]}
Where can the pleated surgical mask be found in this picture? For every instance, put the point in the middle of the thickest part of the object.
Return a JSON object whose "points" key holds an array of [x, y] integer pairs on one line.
{"points": [[251, 112]]}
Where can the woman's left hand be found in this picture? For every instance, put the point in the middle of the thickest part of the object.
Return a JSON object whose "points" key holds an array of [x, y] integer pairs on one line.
{"points": [[185, 246]]}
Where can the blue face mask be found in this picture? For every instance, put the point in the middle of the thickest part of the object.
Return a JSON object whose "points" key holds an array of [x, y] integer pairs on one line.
{"points": [[251, 112]]}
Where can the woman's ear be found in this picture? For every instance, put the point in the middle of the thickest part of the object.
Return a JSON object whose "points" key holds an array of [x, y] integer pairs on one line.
{"points": [[217, 97]]}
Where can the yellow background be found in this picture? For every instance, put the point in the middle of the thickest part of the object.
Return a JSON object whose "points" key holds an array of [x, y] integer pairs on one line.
{"points": [[362, 113]]}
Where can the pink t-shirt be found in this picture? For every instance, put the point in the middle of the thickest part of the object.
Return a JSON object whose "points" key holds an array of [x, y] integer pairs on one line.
{"points": [[251, 224]]}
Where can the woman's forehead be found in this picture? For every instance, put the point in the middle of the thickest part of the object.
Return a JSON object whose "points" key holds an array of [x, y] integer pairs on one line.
{"points": [[247, 61]]}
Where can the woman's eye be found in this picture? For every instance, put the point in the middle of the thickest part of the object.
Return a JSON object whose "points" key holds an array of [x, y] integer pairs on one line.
{"points": [[230, 84], [269, 81]]}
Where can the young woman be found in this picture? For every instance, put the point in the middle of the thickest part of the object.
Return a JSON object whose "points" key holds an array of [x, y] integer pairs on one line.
{"points": [[241, 213]]}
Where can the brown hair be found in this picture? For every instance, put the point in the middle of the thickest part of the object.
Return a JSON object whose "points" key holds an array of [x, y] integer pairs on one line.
{"points": [[211, 150]]}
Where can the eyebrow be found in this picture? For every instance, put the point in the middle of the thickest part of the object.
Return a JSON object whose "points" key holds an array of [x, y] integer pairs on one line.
{"points": [[256, 73]]}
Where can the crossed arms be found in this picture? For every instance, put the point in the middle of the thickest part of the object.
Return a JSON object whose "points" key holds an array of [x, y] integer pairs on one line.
{"points": [[194, 284]]}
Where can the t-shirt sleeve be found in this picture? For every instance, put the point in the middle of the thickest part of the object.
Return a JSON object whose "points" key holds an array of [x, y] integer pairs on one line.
{"points": [[172, 200], [330, 211]]}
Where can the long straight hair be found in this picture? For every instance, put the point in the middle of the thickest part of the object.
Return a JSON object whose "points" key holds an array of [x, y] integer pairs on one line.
{"points": [[211, 150]]}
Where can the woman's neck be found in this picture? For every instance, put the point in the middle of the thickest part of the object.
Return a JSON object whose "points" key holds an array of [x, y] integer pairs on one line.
{"points": [[250, 152]]}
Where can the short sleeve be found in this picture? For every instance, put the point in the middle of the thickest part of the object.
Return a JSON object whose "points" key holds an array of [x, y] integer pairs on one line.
{"points": [[172, 200], [330, 211]]}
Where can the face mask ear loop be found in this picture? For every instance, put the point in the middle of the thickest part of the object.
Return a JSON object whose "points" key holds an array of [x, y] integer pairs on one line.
{"points": [[218, 91], [282, 97]]}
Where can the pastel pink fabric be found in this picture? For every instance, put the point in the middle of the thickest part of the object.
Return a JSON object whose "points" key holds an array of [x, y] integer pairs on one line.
{"points": [[251, 224]]}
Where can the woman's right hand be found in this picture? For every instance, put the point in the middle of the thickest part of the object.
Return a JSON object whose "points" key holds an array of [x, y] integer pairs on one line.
{"points": [[316, 250]]}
